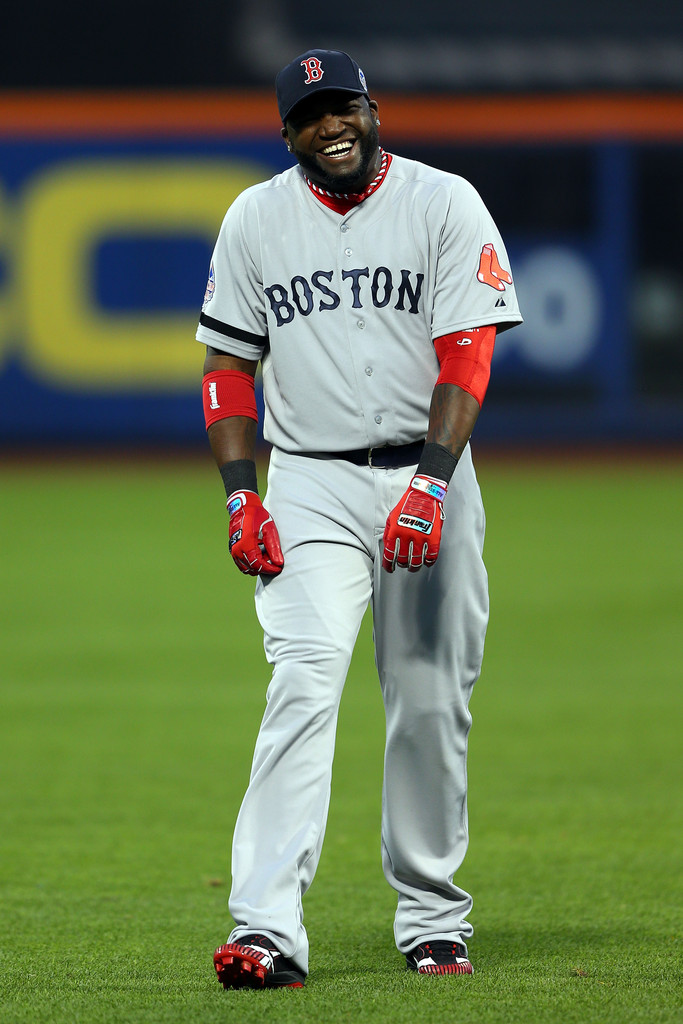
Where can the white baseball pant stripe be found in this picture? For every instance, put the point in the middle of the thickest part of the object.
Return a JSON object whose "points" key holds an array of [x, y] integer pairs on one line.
{"points": [[429, 630]]}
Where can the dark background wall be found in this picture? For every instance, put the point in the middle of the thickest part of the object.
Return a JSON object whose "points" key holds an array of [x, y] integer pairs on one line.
{"points": [[531, 45]]}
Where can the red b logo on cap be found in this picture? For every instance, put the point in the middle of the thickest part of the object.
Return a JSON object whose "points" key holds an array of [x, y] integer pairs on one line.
{"points": [[314, 70]]}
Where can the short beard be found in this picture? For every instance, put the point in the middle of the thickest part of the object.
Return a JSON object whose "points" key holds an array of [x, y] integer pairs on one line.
{"points": [[344, 183]]}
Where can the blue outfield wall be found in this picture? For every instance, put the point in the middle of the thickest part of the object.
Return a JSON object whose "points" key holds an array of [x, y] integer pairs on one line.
{"points": [[104, 251]]}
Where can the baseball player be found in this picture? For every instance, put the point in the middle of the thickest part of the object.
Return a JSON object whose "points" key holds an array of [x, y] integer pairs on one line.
{"points": [[370, 288]]}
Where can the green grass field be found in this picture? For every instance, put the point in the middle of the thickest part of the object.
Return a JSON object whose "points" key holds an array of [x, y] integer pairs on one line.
{"points": [[132, 684]]}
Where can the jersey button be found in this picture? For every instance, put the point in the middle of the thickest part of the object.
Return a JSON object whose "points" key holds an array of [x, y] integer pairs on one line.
{"points": [[348, 252], [361, 325], [368, 370], [344, 227], [378, 419]]}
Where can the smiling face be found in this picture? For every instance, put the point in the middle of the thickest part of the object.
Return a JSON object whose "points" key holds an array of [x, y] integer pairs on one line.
{"points": [[335, 139]]}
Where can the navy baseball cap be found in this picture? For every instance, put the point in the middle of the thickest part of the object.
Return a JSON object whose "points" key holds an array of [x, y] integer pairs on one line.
{"points": [[315, 71]]}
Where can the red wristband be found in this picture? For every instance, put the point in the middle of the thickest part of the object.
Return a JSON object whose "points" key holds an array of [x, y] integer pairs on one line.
{"points": [[465, 359], [228, 393]]}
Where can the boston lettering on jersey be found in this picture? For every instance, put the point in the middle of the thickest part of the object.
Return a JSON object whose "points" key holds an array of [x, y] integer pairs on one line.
{"points": [[359, 286]]}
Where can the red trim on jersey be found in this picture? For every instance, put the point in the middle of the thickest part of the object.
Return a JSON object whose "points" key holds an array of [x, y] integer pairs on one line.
{"points": [[465, 359], [342, 202], [228, 393]]}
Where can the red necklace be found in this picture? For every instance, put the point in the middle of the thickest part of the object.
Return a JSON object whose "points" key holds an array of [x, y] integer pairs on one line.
{"points": [[343, 202]]}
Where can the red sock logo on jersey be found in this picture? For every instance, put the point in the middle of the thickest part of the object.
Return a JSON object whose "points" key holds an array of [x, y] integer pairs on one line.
{"points": [[314, 70], [490, 271]]}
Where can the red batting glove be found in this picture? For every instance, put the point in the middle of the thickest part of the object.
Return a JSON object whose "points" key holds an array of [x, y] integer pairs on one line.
{"points": [[413, 531], [254, 542]]}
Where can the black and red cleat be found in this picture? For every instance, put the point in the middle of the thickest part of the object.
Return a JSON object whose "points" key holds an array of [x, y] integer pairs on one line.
{"points": [[253, 962], [439, 957]]}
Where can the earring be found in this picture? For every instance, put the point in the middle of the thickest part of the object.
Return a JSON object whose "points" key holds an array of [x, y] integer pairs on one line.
{"points": [[289, 147], [378, 122]]}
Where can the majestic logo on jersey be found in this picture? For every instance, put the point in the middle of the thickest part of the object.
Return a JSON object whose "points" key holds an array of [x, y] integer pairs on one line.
{"points": [[490, 271], [358, 288], [210, 286], [314, 70]]}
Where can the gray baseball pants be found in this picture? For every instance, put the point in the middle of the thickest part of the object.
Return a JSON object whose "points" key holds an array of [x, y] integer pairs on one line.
{"points": [[429, 630]]}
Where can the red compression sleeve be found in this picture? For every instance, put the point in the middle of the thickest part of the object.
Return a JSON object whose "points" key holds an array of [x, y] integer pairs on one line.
{"points": [[228, 393], [465, 359]]}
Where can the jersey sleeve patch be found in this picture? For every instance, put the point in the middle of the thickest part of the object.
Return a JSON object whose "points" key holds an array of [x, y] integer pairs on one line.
{"points": [[210, 286], [490, 271]]}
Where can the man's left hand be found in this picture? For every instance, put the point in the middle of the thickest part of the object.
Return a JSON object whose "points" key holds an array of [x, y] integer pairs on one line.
{"points": [[413, 531]]}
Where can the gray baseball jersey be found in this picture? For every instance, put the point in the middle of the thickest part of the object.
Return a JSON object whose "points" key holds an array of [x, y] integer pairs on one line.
{"points": [[343, 309]]}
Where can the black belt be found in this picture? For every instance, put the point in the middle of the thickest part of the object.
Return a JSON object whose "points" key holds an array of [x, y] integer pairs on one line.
{"points": [[386, 456]]}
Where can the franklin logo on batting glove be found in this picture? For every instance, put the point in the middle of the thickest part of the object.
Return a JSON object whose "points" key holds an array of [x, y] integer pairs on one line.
{"points": [[413, 532]]}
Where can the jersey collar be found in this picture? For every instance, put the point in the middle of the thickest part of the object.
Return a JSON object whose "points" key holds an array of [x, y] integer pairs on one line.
{"points": [[343, 202]]}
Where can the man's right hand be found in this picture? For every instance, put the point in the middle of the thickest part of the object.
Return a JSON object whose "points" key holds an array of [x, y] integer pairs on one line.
{"points": [[254, 542]]}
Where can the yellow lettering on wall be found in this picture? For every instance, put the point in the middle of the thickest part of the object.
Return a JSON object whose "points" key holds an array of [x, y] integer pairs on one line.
{"points": [[67, 211], [6, 273]]}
